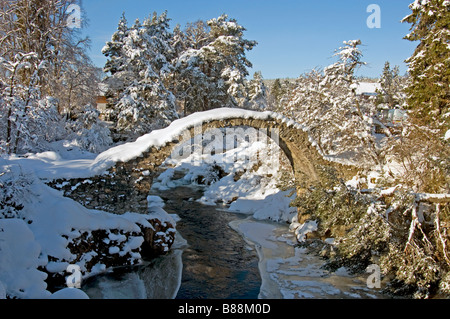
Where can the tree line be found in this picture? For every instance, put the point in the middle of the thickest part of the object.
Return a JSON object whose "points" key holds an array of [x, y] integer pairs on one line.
{"points": [[155, 74], [48, 82], [395, 212]]}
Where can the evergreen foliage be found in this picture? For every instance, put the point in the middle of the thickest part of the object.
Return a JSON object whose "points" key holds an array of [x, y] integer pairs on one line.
{"points": [[429, 66], [325, 102], [139, 63], [392, 88], [257, 93], [156, 74]]}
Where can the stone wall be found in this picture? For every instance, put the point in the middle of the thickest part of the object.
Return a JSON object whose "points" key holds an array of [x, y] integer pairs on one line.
{"points": [[126, 185]]}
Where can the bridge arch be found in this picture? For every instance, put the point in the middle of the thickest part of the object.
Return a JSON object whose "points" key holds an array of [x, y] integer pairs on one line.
{"points": [[122, 176]]}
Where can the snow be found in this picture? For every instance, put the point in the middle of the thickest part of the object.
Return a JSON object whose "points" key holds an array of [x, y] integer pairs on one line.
{"points": [[46, 224], [69, 293], [254, 193], [159, 138], [290, 272], [48, 221], [274, 207], [19, 261], [367, 88], [302, 230]]}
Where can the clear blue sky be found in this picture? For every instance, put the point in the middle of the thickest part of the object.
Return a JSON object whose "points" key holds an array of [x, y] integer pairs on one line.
{"points": [[294, 36]]}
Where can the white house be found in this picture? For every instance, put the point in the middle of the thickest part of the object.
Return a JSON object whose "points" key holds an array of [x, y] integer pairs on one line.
{"points": [[367, 89]]}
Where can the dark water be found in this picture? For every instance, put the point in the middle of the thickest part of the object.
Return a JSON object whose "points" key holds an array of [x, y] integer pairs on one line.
{"points": [[218, 263]]}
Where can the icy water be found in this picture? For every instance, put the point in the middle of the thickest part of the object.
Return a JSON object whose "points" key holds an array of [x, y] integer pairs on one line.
{"points": [[217, 263], [222, 255]]}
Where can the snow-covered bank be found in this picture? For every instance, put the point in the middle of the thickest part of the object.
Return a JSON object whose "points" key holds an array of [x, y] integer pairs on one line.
{"points": [[290, 272], [150, 280], [38, 225]]}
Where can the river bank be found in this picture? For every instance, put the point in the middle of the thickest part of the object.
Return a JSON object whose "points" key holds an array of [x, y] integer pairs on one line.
{"points": [[224, 255]]}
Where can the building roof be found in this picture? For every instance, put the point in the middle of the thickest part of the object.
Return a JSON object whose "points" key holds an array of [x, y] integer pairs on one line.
{"points": [[367, 88]]}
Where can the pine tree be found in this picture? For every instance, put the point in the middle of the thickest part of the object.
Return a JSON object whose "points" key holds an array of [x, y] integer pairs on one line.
{"points": [[257, 93], [140, 67], [211, 71], [228, 60], [112, 50], [191, 69], [326, 103], [275, 94], [392, 87], [429, 66]]}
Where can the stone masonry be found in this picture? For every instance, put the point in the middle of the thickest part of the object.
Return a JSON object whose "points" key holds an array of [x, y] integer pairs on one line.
{"points": [[126, 185]]}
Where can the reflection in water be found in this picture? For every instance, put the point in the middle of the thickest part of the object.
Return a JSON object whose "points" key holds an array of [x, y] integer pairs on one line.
{"points": [[209, 260], [155, 279], [217, 264]]}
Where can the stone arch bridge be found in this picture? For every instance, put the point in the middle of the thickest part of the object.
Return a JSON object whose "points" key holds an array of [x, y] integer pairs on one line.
{"points": [[121, 177]]}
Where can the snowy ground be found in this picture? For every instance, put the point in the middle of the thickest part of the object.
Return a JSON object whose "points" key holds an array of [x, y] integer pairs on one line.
{"points": [[287, 270], [48, 219]]}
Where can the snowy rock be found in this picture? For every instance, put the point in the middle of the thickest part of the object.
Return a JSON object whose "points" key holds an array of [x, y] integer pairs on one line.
{"points": [[303, 230], [69, 293], [19, 261]]}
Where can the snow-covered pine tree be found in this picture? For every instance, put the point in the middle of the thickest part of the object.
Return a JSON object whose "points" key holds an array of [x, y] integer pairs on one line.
{"points": [[275, 93], [392, 86], [113, 48], [257, 93], [211, 71], [156, 76], [192, 80], [429, 66], [116, 67], [327, 104], [422, 148], [228, 61], [139, 63]]}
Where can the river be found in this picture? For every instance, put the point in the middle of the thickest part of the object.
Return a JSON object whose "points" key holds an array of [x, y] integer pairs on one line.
{"points": [[222, 255]]}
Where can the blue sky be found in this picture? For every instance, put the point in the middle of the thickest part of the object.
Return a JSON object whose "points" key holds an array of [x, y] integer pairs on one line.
{"points": [[294, 36]]}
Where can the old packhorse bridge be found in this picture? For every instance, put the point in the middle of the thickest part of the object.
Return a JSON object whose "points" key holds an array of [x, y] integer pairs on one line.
{"points": [[122, 176]]}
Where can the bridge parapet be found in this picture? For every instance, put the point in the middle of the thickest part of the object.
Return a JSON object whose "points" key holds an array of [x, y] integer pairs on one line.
{"points": [[122, 177]]}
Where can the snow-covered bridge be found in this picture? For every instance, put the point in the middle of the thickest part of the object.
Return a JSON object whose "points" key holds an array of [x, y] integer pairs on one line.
{"points": [[119, 180]]}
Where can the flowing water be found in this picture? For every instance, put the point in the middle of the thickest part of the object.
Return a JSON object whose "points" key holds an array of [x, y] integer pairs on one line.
{"points": [[223, 255]]}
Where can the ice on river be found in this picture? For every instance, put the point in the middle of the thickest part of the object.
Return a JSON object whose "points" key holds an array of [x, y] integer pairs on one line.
{"points": [[156, 279], [289, 272]]}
